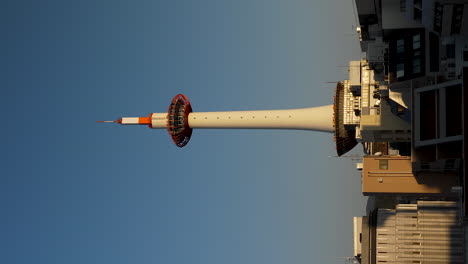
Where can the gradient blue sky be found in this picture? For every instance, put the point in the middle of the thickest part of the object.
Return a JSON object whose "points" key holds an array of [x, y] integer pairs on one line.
{"points": [[74, 191]]}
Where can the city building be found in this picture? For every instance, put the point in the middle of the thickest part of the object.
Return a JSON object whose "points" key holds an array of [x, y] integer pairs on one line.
{"points": [[418, 52], [393, 175], [416, 57], [420, 232]]}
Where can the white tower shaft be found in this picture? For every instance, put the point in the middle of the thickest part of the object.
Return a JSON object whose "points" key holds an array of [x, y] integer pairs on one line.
{"points": [[313, 118]]}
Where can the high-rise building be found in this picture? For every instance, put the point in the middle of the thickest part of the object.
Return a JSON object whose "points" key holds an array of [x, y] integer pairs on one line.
{"points": [[417, 57], [418, 50], [422, 232]]}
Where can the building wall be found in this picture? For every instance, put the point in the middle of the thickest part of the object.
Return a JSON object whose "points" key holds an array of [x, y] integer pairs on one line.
{"points": [[426, 232], [384, 126], [383, 175], [437, 113], [394, 18]]}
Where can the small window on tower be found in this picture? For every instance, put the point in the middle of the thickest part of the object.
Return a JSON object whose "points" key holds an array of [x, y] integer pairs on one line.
{"points": [[383, 164]]}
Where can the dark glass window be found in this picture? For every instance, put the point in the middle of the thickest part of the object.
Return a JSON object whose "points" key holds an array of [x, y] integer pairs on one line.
{"points": [[428, 121], [416, 65], [400, 45], [453, 114], [450, 51], [438, 12], [417, 15], [433, 52], [457, 16], [400, 70], [416, 41]]}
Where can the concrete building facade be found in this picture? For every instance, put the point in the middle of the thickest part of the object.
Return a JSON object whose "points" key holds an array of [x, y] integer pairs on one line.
{"points": [[417, 51], [393, 175], [421, 232], [412, 81]]}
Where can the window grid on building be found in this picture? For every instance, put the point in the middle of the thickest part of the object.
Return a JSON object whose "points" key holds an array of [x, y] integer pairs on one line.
{"points": [[426, 232]]}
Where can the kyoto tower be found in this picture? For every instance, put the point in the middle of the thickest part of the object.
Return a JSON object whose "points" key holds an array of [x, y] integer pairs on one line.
{"points": [[179, 120]]}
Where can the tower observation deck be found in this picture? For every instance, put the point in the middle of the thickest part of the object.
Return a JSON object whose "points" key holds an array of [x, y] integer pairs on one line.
{"points": [[180, 121]]}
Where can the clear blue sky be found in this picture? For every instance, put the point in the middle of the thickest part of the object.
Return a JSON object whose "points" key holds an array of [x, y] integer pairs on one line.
{"points": [[75, 191]]}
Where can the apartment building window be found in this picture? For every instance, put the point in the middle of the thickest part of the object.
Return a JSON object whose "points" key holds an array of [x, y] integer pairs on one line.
{"points": [[416, 65], [454, 110], [407, 48], [450, 51], [457, 16], [400, 45], [433, 52], [417, 15], [416, 41], [429, 105], [438, 12], [400, 70]]}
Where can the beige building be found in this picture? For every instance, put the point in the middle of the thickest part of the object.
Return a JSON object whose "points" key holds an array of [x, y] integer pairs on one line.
{"points": [[383, 175]]}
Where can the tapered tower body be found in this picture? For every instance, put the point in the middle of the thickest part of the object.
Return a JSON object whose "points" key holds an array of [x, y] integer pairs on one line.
{"points": [[180, 120], [313, 118]]}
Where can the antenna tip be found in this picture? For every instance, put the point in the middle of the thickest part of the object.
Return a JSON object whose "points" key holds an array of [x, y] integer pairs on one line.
{"points": [[105, 121]]}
